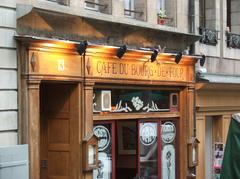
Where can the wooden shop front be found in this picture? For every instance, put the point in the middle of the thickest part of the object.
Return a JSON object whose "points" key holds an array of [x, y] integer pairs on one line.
{"points": [[140, 111]]}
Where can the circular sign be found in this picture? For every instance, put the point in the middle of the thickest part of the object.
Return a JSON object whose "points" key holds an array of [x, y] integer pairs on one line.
{"points": [[103, 135], [168, 132], [148, 134]]}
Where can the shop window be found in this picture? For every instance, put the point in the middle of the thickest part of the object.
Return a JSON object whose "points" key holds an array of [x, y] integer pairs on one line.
{"points": [[61, 2], [134, 101], [207, 22], [135, 9], [103, 6], [166, 14], [233, 24]]}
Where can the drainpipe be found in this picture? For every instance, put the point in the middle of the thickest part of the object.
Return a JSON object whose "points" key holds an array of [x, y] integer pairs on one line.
{"points": [[221, 30], [191, 16]]}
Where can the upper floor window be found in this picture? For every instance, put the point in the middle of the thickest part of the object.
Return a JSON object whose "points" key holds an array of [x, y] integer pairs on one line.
{"points": [[202, 13], [166, 12], [161, 5], [99, 6], [233, 13], [61, 2], [92, 5], [207, 22], [129, 8], [233, 24], [135, 9]]}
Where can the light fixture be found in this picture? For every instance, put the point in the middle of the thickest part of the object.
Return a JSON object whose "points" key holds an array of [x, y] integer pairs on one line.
{"points": [[154, 55], [121, 51], [81, 47], [178, 57], [202, 60]]}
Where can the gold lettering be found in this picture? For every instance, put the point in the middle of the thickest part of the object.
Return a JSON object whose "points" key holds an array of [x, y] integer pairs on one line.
{"points": [[99, 67], [114, 70]]}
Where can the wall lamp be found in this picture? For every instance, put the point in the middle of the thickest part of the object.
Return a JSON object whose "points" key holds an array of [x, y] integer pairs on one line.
{"points": [[202, 60], [81, 47], [178, 57], [154, 55], [121, 51]]}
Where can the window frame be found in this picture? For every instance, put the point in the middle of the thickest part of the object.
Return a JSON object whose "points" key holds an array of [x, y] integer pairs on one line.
{"points": [[95, 6], [129, 5]]}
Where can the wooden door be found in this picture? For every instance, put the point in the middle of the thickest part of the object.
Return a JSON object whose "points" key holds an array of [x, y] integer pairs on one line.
{"points": [[58, 131]]}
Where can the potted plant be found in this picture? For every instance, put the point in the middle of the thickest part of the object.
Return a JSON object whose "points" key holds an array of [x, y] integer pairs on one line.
{"points": [[162, 17]]}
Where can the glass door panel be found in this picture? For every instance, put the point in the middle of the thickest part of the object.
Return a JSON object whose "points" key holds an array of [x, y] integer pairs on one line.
{"points": [[148, 150], [168, 141], [105, 153]]}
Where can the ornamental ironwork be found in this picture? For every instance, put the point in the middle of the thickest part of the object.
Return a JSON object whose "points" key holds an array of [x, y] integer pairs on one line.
{"points": [[233, 40], [209, 36]]}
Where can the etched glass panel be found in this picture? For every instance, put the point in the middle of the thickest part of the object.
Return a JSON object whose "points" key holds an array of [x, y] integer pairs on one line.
{"points": [[132, 101], [148, 150], [103, 132], [168, 135]]}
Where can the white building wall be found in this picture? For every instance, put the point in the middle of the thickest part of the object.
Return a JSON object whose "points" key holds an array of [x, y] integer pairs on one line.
{"points": [[8, 74]]}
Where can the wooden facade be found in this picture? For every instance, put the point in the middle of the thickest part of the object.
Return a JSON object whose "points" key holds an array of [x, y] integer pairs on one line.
{"points": [[56, 100], [214, 106]]}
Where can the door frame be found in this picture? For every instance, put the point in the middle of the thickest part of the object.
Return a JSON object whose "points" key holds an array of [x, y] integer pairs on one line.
{"points": [[72, 98]]}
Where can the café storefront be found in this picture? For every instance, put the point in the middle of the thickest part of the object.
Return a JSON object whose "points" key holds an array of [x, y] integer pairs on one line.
{"points": [[141, 112]]}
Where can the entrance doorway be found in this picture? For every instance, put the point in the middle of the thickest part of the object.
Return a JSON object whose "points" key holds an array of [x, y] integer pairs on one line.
{"points": [[137, 149], [58, 131]]}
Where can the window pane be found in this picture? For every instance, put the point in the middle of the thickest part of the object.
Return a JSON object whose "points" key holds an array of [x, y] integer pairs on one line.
{"points": [[148, 150], [129, 101], [161, 4], [129, 6], [103, 132], [91, 4], [168, 135]]}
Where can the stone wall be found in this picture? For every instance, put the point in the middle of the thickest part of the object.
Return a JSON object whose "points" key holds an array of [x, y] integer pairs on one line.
{"points": [[8, 74]]}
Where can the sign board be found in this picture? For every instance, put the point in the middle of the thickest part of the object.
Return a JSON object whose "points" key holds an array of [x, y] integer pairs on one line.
{"points": [[136, 69]]}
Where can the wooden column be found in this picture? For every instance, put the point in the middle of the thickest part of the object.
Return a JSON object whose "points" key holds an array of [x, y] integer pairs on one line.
{"points": [[190, 111], [200, 123], [186, 126], [34, 128], [190, 106], [88, 116]]}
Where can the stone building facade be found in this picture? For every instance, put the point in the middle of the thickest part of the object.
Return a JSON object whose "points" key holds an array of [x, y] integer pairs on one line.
{"points": [[8, 75], [217, 94]]}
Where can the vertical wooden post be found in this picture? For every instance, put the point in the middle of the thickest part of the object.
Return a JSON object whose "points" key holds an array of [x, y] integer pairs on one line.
{"points": [[190, 118], [190, 112], [34, 128], [186, 127], [200, 123], [88, 115]]}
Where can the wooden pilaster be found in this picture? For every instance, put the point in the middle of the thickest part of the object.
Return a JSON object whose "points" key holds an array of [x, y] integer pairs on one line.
{"points": [[200, 123], [88, 116], [34, 128]]}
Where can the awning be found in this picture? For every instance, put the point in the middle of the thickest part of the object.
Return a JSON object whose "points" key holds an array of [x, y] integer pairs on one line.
{"points": [[216, 78], [217, 82]]}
